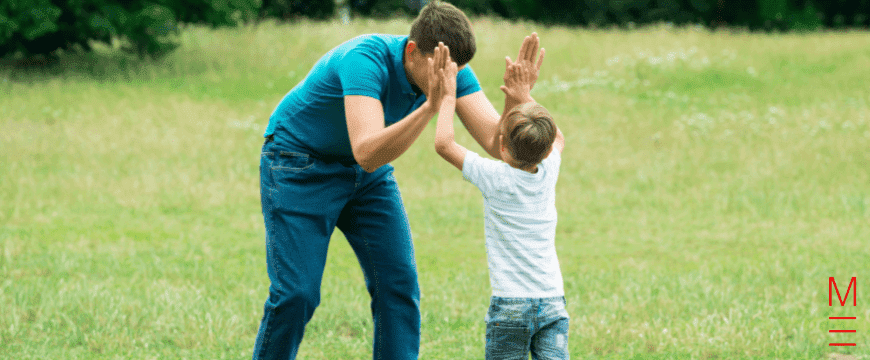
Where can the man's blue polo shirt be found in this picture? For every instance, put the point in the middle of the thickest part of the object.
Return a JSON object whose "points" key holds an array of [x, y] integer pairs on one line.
{"points": [[311, 116]]}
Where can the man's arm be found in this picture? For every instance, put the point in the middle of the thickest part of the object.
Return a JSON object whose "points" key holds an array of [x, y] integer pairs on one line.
{"points": [[481, 119], [373, 144], [559, 144]]}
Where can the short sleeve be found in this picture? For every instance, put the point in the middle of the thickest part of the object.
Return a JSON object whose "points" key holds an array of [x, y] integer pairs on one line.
{"points": [[361, 72], [466, 82], [479, 171], [552, 164]]}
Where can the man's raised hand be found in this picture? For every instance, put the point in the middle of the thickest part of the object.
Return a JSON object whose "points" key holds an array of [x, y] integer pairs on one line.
{"points": [[437, 63]]}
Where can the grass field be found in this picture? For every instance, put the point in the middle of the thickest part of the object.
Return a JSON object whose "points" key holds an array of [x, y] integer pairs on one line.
{"points": [[711, 183]]}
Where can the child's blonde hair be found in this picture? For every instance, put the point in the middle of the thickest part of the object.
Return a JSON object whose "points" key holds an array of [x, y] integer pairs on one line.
{"points": [[529, 132]]}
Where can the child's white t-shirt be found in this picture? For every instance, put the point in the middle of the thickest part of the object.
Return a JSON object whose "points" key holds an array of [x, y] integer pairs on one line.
{"points": [[520, 225]]}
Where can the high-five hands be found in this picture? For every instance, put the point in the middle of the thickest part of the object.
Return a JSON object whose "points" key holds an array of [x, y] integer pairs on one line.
{"points": [[526, 58], [440, 67], [517, 82]]}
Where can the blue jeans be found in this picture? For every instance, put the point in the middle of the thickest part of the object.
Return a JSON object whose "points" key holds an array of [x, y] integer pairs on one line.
{"points": [[304, 199], [517, 326]]}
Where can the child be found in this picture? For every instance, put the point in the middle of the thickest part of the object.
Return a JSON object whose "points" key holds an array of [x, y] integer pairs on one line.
{"points": [[527, 309]]}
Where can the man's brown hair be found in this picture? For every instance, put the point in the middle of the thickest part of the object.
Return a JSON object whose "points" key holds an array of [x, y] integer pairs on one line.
{"points": [[529, 133], [441, 21]]}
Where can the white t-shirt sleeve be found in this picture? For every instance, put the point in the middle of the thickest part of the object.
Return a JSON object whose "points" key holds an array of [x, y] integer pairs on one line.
{"points": [[552, 164], [478, 171]]}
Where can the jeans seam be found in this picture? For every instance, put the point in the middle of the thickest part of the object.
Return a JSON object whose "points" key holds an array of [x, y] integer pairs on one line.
{"points": [[273, 186], [293, 153], [292, 168], [377, 352], [267, 334], [267, 219]]}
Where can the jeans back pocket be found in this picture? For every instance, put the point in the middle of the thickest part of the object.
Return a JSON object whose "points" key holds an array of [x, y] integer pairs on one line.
{"points": [[292, 161]]}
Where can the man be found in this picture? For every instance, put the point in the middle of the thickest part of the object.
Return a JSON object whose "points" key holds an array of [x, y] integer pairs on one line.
{"points": [[325, 164]]}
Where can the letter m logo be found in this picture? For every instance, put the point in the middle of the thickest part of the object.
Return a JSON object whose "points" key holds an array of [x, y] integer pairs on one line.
{"points": [[832, 286]]}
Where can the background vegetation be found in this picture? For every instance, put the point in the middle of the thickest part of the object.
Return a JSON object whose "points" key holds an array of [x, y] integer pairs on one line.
{"points": [[711, 184], [149, 27]]}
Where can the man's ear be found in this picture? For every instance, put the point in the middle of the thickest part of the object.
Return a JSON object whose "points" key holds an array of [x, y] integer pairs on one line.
{"points": [[409, 48]]}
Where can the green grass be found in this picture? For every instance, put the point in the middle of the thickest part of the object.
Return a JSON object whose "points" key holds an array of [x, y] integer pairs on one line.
{"points": [[712, 182]]}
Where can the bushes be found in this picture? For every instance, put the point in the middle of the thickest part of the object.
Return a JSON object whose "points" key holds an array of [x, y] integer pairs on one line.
{"points": [[32, 27], [146, 27], [756, 14], [213, 12], [287, 9]]}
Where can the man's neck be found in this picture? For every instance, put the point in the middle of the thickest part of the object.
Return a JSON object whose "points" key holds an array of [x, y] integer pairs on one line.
{"points": [[414, 87]]}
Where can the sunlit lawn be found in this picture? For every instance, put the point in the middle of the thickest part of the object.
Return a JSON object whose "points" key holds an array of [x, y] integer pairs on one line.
{"points": [[711, 184]]}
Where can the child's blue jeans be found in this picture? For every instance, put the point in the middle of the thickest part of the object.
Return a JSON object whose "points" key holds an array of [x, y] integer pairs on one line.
{"points": [[517, 326]]}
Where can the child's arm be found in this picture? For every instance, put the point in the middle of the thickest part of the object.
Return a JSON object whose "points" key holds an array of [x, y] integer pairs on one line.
{"points": [[559, 144], [445, 144]]}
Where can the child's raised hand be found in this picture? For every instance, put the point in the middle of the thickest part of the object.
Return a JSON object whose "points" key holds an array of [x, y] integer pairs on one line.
{"points": [[449, 77], [517, 83]]}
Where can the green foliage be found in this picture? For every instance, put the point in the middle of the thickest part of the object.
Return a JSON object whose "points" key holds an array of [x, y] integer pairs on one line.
{"points": [[756, 14], [32, 18], [384, 8], [147, 28], [286, 9], [213, 12]]}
